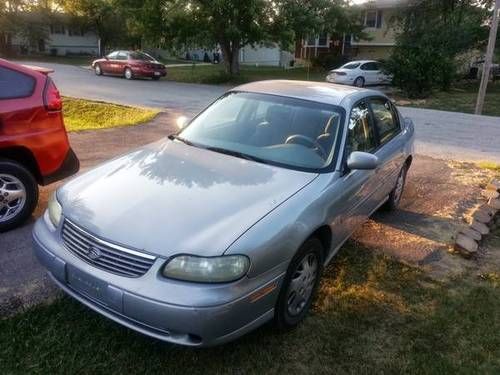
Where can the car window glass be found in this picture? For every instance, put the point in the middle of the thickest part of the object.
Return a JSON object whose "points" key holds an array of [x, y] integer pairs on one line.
{"points": [[385, 119], [369, 66], [360, 136], [14, 84], [122, 56], [112, 55], [350, 66]]}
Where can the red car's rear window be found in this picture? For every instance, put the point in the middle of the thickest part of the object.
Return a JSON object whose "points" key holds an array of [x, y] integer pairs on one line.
{"points": [[14, 84]]}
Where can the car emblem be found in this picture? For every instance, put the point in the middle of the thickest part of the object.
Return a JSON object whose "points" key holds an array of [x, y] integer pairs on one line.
{"points": [[94, 253]]}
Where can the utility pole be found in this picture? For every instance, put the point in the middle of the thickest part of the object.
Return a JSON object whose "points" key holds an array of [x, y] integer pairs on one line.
{"points": [[487, 61]]}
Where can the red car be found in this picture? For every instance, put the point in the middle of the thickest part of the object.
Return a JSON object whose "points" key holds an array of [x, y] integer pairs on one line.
{"points": [[34, 146], [129, 64]]}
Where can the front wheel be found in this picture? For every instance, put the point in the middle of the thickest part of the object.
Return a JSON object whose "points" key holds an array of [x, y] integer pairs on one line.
{"points": [[98, 70], [18, 194], [128, 73], [300, 285]]}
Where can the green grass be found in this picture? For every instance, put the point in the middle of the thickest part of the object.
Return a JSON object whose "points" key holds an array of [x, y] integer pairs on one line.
{"points": [[80, 114], [373, 315], [461, 98], [215, 74]]}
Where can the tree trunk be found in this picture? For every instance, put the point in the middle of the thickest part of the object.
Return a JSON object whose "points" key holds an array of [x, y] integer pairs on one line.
{"points": [[231, 53]]}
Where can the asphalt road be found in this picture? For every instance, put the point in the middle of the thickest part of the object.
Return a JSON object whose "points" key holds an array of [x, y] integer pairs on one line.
{"points": [[439, 134]]}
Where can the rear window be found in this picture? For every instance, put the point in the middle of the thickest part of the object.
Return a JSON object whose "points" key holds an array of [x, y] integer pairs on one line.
{"points": [[15, 84]]}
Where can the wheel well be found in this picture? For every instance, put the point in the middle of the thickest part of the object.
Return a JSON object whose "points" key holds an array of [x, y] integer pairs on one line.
{"points": [[408, 161], [24, 157], [324, 234]]}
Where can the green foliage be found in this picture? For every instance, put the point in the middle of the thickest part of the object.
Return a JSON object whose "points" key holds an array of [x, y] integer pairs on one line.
{"points": [[329, 61], [432, 34]]}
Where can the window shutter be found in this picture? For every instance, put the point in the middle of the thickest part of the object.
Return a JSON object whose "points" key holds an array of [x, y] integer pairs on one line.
{"points": [[379, 19]]}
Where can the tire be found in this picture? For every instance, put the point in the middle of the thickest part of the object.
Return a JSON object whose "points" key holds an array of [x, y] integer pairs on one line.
{"points": [[16, 181], [155, 78], [98, 70], [359, 82], [128, 73], [396, 193], [286, 316]]}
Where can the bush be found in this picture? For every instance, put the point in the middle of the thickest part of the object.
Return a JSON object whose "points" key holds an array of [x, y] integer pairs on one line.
{"points": [[329, 61]]}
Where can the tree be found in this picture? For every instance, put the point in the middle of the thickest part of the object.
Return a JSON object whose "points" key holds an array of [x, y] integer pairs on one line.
{"points": [[432, 34], [103, 16], [234, 24]]}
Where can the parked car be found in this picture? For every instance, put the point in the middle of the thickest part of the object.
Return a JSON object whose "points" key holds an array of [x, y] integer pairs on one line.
{"points": [[34, 147], [129, 64], [359, 73], [207, 234]]}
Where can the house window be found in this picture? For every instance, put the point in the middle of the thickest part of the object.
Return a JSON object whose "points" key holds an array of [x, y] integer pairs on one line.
{"points": [[323, 40], [75, 31], [373, 18], [57, 29], [311, 41]]}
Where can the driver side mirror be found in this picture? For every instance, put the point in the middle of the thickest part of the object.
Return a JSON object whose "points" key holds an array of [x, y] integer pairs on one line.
{"points": [[362, 161]]}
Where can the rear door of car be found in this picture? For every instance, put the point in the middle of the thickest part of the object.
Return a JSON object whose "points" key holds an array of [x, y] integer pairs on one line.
{"points": [[390, 150], [370, 73]]}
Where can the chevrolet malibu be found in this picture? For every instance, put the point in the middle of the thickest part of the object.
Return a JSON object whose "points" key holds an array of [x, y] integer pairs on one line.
{"points": [[207, 234]]}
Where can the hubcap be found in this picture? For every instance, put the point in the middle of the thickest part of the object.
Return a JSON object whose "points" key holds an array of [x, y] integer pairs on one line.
{"points": [[128, 74], [302, 284], [98, 70], [398, 191], [12, 197]]}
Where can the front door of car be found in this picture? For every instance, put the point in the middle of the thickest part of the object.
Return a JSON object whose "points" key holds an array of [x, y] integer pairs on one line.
{"points": [[390, 152], [357, 188]]}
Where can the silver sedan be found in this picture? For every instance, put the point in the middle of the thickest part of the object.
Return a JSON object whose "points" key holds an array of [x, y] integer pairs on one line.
{"points": [[211, 232]]}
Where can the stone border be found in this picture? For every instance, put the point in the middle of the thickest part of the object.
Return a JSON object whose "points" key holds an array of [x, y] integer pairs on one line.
{"points": [[484, 219]]}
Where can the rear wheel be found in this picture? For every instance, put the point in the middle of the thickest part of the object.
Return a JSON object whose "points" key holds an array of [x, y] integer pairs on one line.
{"points": [[300, 285], [156, 78], [98, 70], [396, 193], [128, 73], [18, 194], [359, 82]]}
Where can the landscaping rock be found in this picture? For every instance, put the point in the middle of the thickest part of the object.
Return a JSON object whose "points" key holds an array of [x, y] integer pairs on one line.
{"points": [[482, 216], [494, 203], [490, 194], [472, 233], [466, 246], [480, 227]]}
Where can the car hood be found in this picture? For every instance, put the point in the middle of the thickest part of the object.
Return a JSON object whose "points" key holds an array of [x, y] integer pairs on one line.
{"points": [[168, 198]]}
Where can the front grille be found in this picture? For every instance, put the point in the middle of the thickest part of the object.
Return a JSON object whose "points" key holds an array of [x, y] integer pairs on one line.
{"points": [[105, 255]]}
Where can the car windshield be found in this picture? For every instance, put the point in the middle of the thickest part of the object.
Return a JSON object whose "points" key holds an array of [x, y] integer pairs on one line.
{"points": [[350, 66], [140, 56], [284, 131]]}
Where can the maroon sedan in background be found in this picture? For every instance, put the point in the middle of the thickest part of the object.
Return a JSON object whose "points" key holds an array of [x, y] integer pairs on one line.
{"points": [[130, 64]]}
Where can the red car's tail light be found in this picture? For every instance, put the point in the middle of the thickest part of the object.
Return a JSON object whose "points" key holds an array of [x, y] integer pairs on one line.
{"points": [[51, 97]]}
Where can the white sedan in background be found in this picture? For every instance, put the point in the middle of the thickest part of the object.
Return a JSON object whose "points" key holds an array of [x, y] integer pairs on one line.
{"points": [[359, 73]]}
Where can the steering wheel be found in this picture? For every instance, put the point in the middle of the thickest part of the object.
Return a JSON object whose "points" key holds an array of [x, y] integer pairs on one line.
{"points": [[308, 142]]}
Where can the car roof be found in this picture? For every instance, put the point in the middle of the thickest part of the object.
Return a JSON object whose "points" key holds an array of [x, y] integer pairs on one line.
{"points": [[322, 92], [360, 61]]}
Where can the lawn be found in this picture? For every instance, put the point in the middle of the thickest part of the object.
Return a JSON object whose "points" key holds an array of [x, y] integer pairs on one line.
{"points": [[372, 315], [80, 114], [214, 74], [461, 98]]}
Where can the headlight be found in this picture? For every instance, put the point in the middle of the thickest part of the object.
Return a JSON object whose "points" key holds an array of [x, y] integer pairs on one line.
{"points": [[55, 210], [207, 270]]}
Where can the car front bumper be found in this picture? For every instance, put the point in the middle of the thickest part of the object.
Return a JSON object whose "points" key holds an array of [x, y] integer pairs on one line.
{"points": [[156, 306]]}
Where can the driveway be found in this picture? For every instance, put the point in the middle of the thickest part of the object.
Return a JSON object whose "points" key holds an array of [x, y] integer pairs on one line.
{"points": [[439, 134]]}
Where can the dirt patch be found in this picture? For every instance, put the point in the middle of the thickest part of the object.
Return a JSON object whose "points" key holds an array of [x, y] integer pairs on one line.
{"points": [[438, 200]]}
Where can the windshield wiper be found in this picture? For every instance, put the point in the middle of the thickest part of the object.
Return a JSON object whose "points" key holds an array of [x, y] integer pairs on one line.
{"points": [[179, 138], [237, 154]]}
